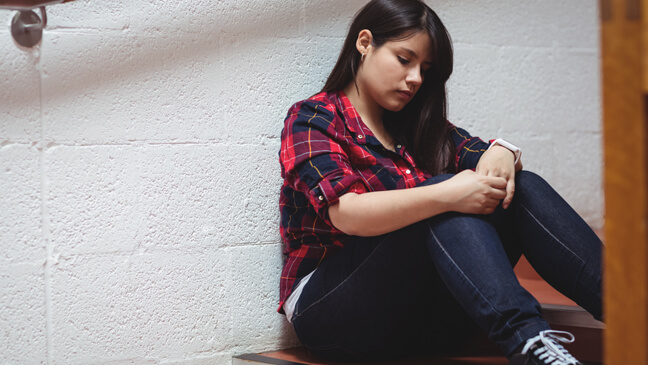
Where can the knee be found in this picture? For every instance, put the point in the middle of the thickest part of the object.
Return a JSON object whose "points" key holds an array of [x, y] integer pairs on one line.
{"points": [[528, 183], [459, 223], [530, 179]]}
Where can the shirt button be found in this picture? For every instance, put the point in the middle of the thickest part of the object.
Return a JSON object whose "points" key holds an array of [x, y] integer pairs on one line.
{"points": [[360, 136], [398, 146], [321, 198], [408, 172]]}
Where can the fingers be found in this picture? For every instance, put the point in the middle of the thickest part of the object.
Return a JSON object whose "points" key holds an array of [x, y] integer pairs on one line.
{"points": [[498, 194], [497, 182], [500, 189], [484, 193], [510, 190], [489, 205]]}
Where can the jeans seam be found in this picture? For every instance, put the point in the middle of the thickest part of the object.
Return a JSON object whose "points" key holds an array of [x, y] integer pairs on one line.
{"points": [[516, 332], [464, 275], [585, 265], [297, 315]]}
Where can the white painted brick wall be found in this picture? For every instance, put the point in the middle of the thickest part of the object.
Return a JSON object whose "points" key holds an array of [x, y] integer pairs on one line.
{"points": [[138, 159]]}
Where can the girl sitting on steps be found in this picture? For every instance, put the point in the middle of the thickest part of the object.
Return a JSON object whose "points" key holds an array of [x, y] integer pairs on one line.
{"points": [[401, 229]]}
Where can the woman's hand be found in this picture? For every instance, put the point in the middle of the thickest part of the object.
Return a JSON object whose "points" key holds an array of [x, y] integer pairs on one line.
{"points": [[469, 192], [500, 162]]}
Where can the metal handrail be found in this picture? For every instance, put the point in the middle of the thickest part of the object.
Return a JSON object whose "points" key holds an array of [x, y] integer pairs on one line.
{"points": [[26, 26]]}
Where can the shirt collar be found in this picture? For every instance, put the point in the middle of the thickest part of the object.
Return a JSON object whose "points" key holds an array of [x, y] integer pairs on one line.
{"points": [[352, 118]]}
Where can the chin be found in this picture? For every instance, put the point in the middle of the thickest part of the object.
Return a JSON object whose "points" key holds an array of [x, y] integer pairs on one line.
{"points": [[395, 108]]}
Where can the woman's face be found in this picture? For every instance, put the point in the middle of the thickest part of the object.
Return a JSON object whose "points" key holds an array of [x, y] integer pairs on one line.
{"points": [[391, 75]]}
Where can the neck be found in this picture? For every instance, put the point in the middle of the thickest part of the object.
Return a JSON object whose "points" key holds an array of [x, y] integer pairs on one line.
{"points": [[370, 112]]}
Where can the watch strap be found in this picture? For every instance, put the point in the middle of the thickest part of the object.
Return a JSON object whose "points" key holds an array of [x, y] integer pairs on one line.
{"points": [[509, 146]]}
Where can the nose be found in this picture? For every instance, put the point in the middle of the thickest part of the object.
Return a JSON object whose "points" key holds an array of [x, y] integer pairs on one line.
{"points": [[414, 76]]}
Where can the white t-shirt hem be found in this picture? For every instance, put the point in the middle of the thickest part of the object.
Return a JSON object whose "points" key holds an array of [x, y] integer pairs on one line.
{"points": [[293, 298]]}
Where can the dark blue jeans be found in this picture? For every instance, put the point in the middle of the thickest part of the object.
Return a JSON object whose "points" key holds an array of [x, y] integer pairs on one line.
{"points": [[431, 286]]}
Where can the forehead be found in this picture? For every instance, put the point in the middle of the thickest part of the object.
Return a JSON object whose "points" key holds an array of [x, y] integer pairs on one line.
{"points": [[418, 45]]}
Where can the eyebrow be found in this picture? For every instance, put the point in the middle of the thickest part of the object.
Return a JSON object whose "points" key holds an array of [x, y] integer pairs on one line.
{"points": [[413, 54]]}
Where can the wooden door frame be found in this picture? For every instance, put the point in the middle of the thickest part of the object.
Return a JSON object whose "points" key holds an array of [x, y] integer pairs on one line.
{"points": [[624, 52]]}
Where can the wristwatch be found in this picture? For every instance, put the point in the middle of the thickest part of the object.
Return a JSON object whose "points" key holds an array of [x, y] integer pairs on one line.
{"points": [[509, 146]]}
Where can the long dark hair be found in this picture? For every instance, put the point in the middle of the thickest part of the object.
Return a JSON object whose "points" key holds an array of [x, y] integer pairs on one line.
{"points": [[422, 124]]}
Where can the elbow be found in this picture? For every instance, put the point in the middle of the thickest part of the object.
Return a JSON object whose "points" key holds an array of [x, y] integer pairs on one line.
{"points": [[356, 231], [345, 217], [352, 227], [346, 223], [346, 226], [352, 231]]}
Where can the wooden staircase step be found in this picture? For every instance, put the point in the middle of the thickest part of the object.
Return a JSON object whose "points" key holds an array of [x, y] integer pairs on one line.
{"points": [[301, 356]]}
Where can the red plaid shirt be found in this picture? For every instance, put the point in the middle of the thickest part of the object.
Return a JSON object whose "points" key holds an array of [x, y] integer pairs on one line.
{"points": [[327, 151]]}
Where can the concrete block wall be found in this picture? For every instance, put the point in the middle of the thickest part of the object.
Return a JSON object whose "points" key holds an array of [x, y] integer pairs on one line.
{"points": [[138, 159]]}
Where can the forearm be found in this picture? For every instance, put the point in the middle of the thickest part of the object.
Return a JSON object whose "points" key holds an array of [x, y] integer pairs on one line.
{"points": [[376, 213], [380, 212]]}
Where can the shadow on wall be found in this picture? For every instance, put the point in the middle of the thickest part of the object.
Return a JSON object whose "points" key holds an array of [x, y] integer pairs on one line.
{"points": [[134, 42]]}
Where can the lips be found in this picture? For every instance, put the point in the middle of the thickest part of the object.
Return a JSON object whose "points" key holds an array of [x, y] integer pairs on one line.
{"points": [[406, 94]]}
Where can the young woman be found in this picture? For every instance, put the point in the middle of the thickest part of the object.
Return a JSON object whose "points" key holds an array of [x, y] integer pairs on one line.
{"points": [[402, 230]]}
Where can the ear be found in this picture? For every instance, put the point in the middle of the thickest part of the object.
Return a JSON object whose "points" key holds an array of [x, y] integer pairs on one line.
{"points": [[364, 41]]}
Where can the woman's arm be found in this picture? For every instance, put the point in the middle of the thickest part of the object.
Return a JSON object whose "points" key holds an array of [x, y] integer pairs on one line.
{"points": [[380, 212]]}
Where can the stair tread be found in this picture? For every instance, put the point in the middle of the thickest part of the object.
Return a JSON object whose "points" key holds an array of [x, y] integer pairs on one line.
{"points": [[301, 356]]}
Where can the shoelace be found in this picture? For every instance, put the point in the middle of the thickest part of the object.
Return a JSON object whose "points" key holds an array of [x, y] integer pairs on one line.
{"points": [[550, 350]]}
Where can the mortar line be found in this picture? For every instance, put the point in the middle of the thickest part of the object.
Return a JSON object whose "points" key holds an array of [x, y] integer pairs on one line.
{"points": [[45, 220]]}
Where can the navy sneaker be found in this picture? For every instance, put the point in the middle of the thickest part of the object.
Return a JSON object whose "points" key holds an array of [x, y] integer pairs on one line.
{"points": [[545, 349]]}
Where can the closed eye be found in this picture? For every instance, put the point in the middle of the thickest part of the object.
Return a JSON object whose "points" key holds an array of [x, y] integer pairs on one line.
{"points": [[403, 61]]}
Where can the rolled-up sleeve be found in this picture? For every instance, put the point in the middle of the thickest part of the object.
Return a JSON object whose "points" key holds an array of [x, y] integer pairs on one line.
{"points": [[469, 149], [313, 160]]}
